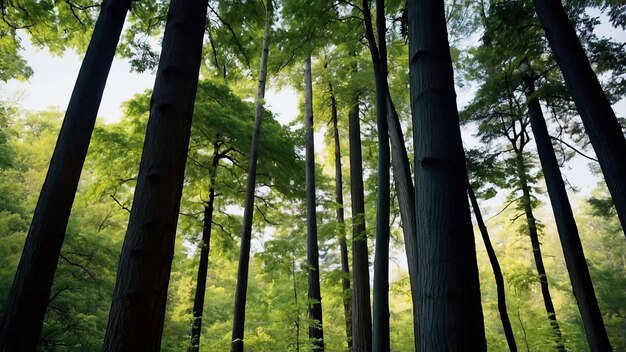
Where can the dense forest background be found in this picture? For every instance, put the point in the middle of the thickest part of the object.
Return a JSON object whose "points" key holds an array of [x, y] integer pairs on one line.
{"points": [[500, 57]]}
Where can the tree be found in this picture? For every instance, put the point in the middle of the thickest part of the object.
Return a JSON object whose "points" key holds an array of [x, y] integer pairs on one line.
{"points": [[605, 133], [239, 314], [568, 231], [138, 307], [28, 299], [450, 314], [316, 331]]}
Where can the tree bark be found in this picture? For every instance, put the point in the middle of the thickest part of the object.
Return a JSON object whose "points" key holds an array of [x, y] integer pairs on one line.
{"points": [[497, 272], [450, 314], [566, 225], [605, 132], [316, 331], [28, 299], [205, 247], [534, 240], [361, 307], [138, 307], [239, 315], [343, 246], [380, 336]]}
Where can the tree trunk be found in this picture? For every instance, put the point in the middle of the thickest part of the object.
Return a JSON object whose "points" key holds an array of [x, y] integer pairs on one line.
{"points": [[361, 308], [497, 273], [205, 247], [316, 331], [343, 246], [28, 299], [605, 132], [534, 240], [450, 315], [138, 307], [566, 224], [239, 315], [380, 340]]}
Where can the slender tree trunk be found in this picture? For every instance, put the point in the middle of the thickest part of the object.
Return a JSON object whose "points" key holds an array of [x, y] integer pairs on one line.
{"points": [[361, 308], [605, 133], [380, 340], [534, 240], [28, 299], [450, 315], [316, 331], [138, 307], [497, 273], [239, 315], [205, 247], [295, 297], [343, 246], [566, 224]]}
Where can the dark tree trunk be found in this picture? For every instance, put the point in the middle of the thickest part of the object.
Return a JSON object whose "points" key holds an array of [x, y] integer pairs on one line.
{"points": [[138, 307], [566, 224], [361, 308], [380, 340], [343, 246], [406, 201], [450, 315], [497, 273], [534, 240], [28, 299], [205, 247], [316, 331], [605, 133], [239, 315]]}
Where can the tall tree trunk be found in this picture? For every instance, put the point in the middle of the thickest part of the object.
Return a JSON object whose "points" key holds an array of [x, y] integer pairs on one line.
{"points": [[566, 225], [343, 246], [534, 240], [450, 315], [316, 331], [138, 307], [361, 308], [380, 340], [28, 299], [406, 201], [605, 133], [205, 247], [239, 315], [497, 272]]}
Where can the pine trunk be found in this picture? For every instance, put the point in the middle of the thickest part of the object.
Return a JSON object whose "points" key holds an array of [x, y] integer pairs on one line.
{"points": [[239, 315], [534, 240], [566, 225], [205, 247], [450, 314], [605, 132], [361, 307], [138, 307], [343, 246], [316, 331], [28, 299], [497, 273]]}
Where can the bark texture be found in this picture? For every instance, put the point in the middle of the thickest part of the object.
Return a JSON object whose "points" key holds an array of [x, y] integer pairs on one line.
{"points": [[605, 132], [28, 299], [566, 224], [239, 315], [361, 307], [450, 314], [138, 307], [497, 272], [343, 245], [316, 331]]}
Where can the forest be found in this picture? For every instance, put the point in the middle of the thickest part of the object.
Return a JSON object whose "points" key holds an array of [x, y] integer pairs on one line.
{"points": [[452, 179]]}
